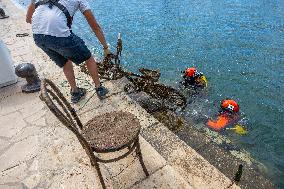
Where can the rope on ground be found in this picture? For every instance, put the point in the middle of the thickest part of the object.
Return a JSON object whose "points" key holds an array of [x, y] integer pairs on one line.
{"points": [[22, 35]]}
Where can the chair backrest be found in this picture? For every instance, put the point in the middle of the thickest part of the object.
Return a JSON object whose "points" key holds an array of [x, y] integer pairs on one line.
{"points": [[58, 105], [53, 98]]}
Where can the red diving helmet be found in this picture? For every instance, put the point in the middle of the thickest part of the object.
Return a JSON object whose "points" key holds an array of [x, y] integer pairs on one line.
{"points": [[190, 72], [230, 105]]}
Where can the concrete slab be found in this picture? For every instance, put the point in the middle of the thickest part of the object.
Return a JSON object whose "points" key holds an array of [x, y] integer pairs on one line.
{"points": [[166, 177], [76, 177], [36, 117], [13, 175], [13, 186], [4, 143], [18, 102], [18, 153], [27, 132], [11, 124], [122, 172], [32, 180], [117, 102]]}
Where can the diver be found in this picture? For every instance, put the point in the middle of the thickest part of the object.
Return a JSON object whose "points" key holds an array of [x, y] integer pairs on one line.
{"points": [[228, 115], [193, 84], [193, 79]]}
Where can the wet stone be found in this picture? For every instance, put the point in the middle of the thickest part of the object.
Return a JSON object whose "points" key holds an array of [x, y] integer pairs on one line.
{"points": [[156, 108], [222, 159], [169, 119], [149, 104]]}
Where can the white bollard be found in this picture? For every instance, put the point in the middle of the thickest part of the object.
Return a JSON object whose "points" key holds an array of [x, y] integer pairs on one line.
{"points": [[7, 70]]}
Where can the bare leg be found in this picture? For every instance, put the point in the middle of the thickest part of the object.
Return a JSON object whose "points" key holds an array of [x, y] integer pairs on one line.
{"points": [[69, 74], [93, 70]]}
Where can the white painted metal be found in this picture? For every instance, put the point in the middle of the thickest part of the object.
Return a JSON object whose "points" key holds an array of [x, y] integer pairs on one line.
{"points": [[7, 70]]}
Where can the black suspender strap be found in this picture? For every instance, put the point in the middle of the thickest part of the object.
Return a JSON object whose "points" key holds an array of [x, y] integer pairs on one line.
{"points": [[58, 5], [65, 11], [43, 2]]}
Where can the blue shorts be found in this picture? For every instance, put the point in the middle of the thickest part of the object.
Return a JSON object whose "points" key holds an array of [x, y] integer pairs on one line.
{"points": [[62, 49]]}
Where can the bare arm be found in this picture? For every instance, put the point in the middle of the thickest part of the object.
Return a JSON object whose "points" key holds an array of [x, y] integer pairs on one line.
{"points": [[30, 11], [95, 27]]}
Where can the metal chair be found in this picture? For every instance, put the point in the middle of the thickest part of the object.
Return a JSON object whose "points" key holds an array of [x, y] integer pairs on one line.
{"points": [[105, 133]]}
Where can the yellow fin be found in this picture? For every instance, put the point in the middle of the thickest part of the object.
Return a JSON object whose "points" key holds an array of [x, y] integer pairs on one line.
{"points": [[203, 78], [240, 129]]}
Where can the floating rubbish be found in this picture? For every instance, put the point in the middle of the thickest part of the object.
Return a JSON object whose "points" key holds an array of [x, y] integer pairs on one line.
{"points": [[237, 177]]}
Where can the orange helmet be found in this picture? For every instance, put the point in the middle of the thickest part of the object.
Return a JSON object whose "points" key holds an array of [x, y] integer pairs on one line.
{"points": [[190, 72], [230, 105]]}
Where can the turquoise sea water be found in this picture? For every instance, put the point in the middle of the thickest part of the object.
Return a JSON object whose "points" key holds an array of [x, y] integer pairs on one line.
{"points": [[238, 44]]}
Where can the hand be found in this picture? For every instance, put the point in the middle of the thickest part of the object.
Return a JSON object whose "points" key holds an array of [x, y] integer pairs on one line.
{"points": [[107, 52]]}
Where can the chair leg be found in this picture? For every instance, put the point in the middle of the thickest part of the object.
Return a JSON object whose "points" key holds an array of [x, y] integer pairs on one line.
{"points": [[138, 152], [97, 166]]}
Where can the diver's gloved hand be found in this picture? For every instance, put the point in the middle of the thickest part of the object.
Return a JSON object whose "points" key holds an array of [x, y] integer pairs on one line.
{"points": [[107, 52]]}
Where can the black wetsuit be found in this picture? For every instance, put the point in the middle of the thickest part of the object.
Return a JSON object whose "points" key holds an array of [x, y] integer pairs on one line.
{"points": [[192, 81]]}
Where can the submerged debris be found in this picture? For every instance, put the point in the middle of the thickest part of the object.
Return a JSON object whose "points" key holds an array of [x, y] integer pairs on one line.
{"points": [[147, 82], [151, 75], [171, 97], [106, 69], [111, 69]]}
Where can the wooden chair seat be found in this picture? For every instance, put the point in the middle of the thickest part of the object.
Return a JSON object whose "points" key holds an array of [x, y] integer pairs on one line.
{"points": [[111, 131]]}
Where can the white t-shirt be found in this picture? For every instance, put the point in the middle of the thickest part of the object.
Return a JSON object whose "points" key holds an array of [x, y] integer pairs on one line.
{"points": [[53, 21]]}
